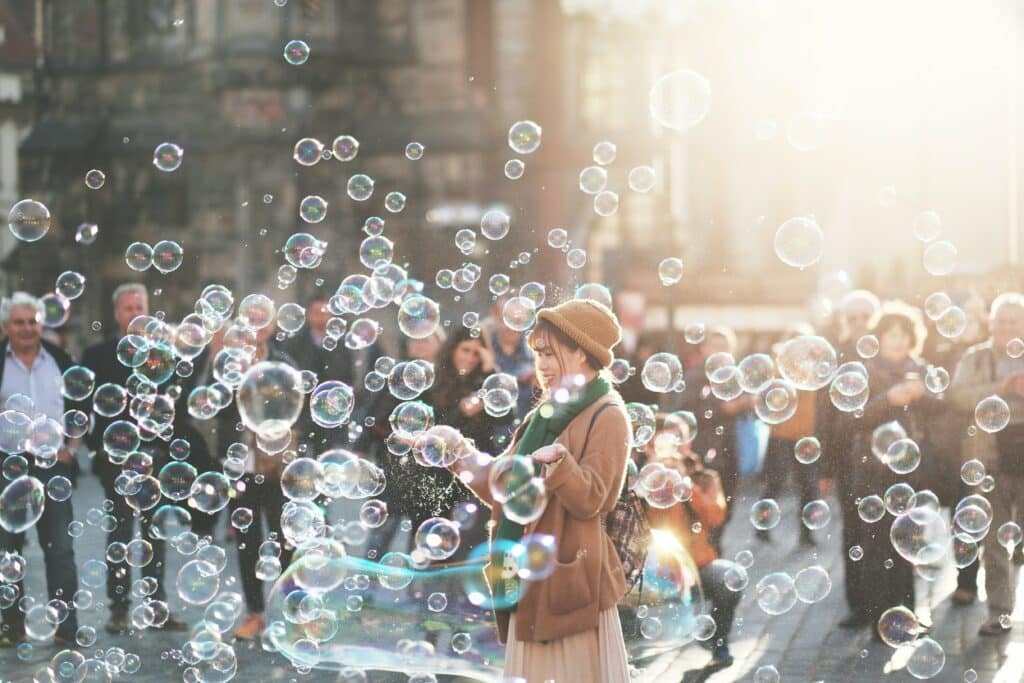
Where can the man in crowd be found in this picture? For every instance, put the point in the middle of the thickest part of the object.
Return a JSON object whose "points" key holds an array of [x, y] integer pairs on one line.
{"points": [[338, 363], [34, 369], [130, 301], [988, 369]]}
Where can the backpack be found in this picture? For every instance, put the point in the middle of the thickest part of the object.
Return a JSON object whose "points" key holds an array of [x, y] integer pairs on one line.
{"points": [[626, 525]]}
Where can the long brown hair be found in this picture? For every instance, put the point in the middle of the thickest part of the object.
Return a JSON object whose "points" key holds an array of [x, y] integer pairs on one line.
{"points": [[449, 386]]}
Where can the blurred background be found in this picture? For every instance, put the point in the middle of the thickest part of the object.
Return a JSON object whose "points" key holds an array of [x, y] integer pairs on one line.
{"points": [[861, 114]]}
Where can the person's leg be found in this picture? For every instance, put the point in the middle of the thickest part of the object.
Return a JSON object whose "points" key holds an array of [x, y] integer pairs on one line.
{"points": [[274, 501], [119, 575], [723, 600], [155, 568], [774, 472], [14, 619], [59, 557], [249, 544], [1000, 573]]}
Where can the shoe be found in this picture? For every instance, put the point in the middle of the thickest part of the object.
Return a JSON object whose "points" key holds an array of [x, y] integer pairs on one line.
{"points": [[993, 627], [852, 621], [65, 643], [172, 624], [964, 596], [118, 622], [763, 536], [721, 658], [251, 627]]}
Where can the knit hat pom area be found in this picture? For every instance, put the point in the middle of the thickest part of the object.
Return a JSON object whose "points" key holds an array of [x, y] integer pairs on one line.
{"points": [[590, 324]]}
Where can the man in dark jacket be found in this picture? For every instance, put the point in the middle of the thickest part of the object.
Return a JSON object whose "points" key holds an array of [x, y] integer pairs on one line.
{"points": [[34, 369], [130, 301]]}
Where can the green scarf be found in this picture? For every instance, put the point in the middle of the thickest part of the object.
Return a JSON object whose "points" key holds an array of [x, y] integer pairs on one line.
{"points": [[546, 424]]}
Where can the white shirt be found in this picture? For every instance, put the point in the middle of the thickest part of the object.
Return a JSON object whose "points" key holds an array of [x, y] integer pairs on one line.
{"points": [[41, 383]]}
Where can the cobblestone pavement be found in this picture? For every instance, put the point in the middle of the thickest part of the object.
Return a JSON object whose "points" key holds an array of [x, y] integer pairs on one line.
{"points": [[804, 644]]}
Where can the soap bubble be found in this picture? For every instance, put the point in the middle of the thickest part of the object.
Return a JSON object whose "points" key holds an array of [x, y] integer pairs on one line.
{"points": [[662, 372], [816, 514], [360, 187], [765, 514], [680, 100], [418, 317], [897, 498], [670, 271], [992, 414], [536, 556], [494, 224], [593, 179], [86, 233], [972, 472], [799, 242], [952, 322], [927, 226], [139, 256], [95, 178], [308, 151], [29, 220], [299, 480], [394, 202], [437, 538], [808, 361], [70, 284], [641, 179], [776, 402], [766, 674], [296, 52], [807, 450], [606, 203], [21, 504], [524, 137], [604, 153], [919, 535], [270, 399], [871, 508], [927, 660], [345, 148], [167, 256], [313, 209], [940, 258], [576, 258], [198, 582], [414, 151], [77, 383], [812, 584], [755, 372], [776, 593], [514, 169], [1008, 535], [331, 404], [519, 313], [167, 156], [898, 626], [936, 379]]}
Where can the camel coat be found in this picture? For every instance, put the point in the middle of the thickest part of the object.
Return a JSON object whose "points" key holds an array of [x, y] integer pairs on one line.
{"points": [[582, 488]]}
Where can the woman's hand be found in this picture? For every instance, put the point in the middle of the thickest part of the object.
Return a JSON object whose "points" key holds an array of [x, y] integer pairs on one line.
{"points": [[548, 454], [486, 358], [471, 405]]}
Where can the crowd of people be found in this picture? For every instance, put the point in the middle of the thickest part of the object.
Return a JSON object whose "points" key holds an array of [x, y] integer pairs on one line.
{"points": [[890, 339]]}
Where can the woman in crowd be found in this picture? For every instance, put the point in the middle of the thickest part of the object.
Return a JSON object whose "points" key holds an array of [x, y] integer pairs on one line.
{"points": [[691, 522], [898, 394], [565, 627]]}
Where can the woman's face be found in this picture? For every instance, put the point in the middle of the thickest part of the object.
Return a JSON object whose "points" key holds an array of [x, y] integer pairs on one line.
{"points": [[466, 356], [553, 363], [894, 344]]}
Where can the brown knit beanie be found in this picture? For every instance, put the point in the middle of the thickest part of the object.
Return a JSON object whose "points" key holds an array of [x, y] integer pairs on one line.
{"points": [[589, 324]]}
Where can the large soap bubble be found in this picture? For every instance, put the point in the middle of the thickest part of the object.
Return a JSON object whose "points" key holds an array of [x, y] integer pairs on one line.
{"points": [[680, 99], [799, 242], [21, 504], [270, 399], [808, 361]]}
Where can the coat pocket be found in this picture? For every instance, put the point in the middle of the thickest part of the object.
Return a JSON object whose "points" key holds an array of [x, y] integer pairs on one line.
{"points": [[569, 587]]}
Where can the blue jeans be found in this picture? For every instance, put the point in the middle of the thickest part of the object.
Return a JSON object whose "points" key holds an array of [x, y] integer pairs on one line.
{"points": [[58, 556]]}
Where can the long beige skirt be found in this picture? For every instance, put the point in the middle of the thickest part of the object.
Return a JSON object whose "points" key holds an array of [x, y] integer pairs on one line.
{"points": [[595, 656]]}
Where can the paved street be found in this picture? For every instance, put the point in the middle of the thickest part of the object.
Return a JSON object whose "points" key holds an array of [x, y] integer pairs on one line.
{"points": [[804, 644]]}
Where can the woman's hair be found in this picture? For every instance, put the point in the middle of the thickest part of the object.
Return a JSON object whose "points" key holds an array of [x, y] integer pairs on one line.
{"points": [[449, 386], [546, 332], [908, 318]]}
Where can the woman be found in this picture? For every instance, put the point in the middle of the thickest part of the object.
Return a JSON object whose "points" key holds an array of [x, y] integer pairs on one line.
{"points": [[898, 393], [691, 523], [566, 627]]}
